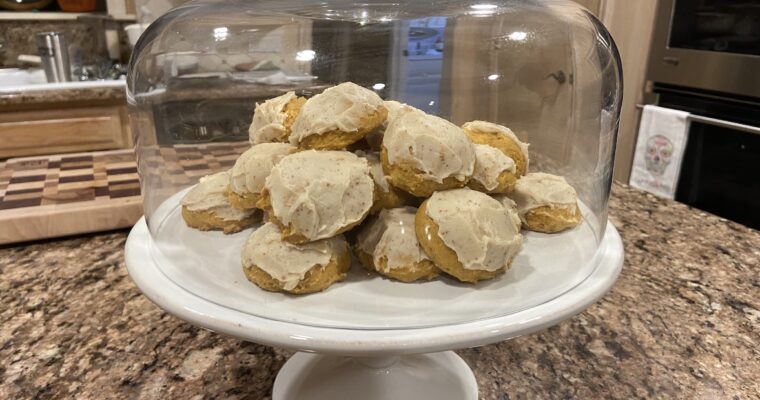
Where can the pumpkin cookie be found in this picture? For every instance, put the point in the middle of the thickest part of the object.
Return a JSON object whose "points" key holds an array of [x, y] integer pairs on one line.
{"points": [[494, 171], [389, 246], [279, 266], [423, 153], [337, 117], [511, 208], [385, 195], [502, 138], [374, 139], [315, 195], [250, 171], [468, 234], [546, 203], [205, 207], [273, 119]]}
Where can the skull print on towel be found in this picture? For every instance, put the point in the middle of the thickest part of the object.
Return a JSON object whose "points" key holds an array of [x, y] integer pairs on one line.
{"points": [[658, 154]]}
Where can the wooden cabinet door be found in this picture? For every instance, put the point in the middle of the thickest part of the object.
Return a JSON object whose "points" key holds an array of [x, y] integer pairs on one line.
{"points": [[63, 130]]}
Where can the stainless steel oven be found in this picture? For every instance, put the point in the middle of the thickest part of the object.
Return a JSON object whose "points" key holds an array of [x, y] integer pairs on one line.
{"points": [[708, 44], [705, 59], [720, 171]]}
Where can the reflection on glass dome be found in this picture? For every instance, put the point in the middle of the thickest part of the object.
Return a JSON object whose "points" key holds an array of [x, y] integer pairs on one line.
{"points": [[548, 70]]}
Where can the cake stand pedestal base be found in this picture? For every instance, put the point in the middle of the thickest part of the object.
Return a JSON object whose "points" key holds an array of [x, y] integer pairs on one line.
{"points": [[439, 376]]}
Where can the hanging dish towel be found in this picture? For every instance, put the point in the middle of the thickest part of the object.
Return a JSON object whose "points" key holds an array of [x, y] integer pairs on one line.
{"points": [[659, 150]]}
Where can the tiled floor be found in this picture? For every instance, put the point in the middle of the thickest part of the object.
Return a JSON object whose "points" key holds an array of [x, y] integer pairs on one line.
{"points": [[58, 195]]}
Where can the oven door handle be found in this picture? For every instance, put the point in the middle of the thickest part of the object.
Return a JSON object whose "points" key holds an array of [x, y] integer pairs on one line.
{"points": [[719, 123]]}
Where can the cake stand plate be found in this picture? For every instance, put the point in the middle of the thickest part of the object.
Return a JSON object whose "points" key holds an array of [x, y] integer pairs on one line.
{"points": [[362, 354]]}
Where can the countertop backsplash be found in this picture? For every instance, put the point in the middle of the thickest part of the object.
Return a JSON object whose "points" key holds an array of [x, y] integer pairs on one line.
{"points": [[18, 37]]}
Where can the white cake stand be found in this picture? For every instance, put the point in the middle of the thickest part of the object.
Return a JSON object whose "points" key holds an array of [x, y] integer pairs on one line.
{"points": [[368, 337]]}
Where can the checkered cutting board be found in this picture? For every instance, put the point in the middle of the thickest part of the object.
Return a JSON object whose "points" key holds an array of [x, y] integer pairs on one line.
{"points": [[57, 195], [62, 179]]}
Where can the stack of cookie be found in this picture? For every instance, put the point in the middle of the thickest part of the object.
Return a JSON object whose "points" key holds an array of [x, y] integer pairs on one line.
{"points": [[418, 195]]}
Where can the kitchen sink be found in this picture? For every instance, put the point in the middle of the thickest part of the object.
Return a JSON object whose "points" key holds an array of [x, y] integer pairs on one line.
{"points": [[23, 80]]}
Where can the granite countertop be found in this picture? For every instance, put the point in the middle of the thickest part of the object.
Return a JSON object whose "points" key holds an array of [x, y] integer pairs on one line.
{"points": [[683, 321], [180, 90], [28, 97]]}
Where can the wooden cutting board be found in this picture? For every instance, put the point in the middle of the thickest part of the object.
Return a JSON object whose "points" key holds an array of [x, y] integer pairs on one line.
{"points": [[59, 195]]}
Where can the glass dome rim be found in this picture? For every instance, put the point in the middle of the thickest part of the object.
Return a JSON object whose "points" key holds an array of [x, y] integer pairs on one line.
{"points": [[462, 9]]}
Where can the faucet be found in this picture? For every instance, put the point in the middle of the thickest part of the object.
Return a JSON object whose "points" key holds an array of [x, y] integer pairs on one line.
{"points": [[54, 54], [22, 60]]}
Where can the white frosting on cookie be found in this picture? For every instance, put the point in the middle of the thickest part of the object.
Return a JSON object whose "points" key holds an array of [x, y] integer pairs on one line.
{"points": [[490, 162], [476, 227], [341, 108], [538, 189], [511, 207], [375, 169], [286, 262], [375, 138], [484, 126], [395, 109], [434, 146], [210, 195], [392, 236], [318, 193], [269, 119], [252, 167]]}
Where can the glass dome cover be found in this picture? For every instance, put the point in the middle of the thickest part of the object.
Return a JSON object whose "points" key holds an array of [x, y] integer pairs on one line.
{"points": [[548, 70]]}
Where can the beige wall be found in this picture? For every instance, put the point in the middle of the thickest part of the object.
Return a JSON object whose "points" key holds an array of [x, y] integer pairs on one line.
{"points": [[593, 5], [631, 24]]}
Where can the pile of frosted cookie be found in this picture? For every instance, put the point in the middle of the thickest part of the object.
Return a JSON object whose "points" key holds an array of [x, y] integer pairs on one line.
{"points": [[417, 195]]}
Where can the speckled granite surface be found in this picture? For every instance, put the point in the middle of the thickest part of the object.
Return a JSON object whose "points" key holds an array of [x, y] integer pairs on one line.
{"points": [[683, 322], [20, 39], [188, 90], [64, 95]]}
